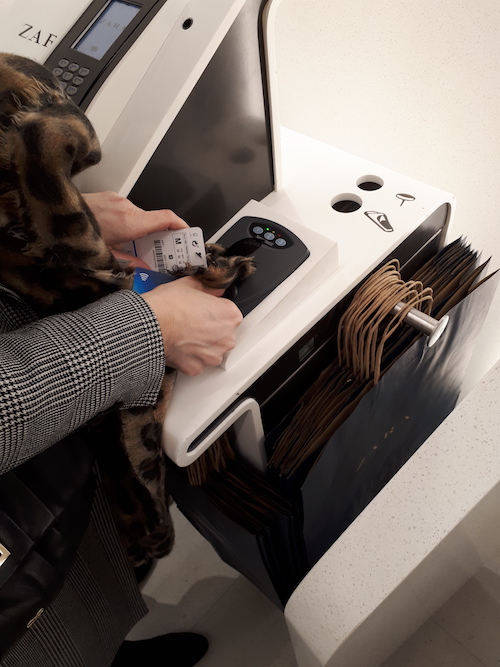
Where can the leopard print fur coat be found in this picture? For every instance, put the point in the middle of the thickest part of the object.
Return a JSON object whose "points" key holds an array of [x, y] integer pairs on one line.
{"points": [[54, 257]]}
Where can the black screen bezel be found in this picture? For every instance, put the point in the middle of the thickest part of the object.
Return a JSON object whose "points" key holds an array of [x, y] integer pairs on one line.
{"points": [[99, 70]]}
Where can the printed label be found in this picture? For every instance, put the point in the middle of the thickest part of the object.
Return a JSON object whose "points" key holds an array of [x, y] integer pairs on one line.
{"points": [[173, 250]]}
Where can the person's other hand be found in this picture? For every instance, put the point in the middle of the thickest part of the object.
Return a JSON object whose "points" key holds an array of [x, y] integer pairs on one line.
{"points": [[121, 221], [198, 326]]}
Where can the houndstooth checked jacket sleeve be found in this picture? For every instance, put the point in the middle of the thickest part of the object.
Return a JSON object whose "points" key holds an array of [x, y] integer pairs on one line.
{"points": [[58, 372], [55, 374]]}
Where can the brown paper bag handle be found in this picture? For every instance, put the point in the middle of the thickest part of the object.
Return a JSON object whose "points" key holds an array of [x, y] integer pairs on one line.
{"points": [[368, 322]]}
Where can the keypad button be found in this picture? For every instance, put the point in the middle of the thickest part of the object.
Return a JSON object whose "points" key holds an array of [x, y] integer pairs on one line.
{"points": [[257, 230], [57, 71], [71, 90], [74, 67], [63, 62], [269, 236], [63, 85], [280, 242], [83, 71], [67, 76], [77, 80]]}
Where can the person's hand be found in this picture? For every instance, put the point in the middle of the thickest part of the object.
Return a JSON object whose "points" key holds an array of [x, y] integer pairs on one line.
{"points": [[198, 327], [120, 221]]}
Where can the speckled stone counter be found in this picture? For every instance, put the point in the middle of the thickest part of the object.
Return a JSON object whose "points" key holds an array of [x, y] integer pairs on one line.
{"points": [[417, 542]]}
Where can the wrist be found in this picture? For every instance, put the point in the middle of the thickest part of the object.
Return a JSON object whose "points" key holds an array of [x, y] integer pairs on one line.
{"points": [[162, 316]]}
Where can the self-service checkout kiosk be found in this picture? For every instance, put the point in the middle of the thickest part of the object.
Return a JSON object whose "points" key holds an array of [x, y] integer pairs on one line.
{"points": [[183, 97]]}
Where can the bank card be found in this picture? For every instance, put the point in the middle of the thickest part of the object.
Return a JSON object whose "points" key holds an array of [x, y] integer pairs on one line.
{"points": [[172, 250], [145, 280]]}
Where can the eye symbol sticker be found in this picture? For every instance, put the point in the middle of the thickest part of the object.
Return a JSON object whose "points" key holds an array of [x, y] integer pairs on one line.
{"points": [[380, 219]]}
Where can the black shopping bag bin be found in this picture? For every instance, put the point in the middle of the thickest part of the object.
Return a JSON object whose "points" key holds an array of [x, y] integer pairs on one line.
{"points": [[389, 424], [366, 432]]}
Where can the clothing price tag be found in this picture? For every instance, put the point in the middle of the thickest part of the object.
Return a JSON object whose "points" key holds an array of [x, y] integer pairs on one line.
{"points": [[172, 250]]}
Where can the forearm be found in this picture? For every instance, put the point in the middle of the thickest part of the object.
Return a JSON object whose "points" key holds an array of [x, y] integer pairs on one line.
{"points": [[59, 372]]}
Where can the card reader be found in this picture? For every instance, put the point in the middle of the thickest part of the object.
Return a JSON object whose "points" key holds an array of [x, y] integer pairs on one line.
{"points": [[276, 250]]}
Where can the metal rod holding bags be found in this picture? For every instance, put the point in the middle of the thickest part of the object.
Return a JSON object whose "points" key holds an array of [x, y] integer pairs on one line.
{"points": [[424, 323]]}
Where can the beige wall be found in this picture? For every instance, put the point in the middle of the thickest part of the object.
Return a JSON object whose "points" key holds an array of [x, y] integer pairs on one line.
{"points": [[414, 86]]}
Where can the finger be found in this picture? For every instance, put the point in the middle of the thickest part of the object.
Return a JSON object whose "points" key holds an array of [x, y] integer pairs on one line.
{"points": [[158, 221], [131, 261]]}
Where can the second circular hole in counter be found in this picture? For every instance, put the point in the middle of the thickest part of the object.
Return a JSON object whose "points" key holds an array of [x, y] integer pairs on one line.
{"points": [[346, 203], [370, 182]]}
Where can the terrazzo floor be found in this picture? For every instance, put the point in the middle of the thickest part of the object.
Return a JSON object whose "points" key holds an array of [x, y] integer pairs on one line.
{"points": [[194, 590]]}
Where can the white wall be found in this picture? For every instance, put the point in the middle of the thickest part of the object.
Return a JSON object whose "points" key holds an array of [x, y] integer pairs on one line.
{"points": [[414, 86]]}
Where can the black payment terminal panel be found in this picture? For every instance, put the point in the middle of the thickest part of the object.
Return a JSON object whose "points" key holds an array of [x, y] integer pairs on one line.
{"points": [[95, 44], [277, 252]]}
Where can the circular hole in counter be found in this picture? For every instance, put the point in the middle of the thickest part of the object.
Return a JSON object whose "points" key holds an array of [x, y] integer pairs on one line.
{"points": [[370, 182], [346, 203]]}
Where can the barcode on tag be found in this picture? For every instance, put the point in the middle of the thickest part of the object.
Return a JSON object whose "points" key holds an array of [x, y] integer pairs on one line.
{"points": [[159, 257], [173, 250]]}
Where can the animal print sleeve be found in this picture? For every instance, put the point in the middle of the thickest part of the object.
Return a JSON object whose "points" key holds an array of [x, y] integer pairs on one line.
{"points": [[60, 371]]}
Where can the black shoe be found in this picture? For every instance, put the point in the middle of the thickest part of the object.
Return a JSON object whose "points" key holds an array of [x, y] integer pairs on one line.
{"points": [[179, 649]]}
